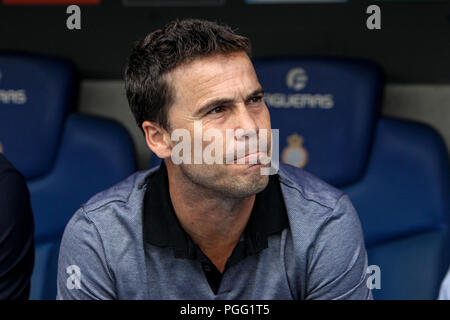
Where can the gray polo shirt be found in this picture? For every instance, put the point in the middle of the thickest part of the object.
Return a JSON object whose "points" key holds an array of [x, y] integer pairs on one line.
{"points": [[315, 252], [162, 228]]}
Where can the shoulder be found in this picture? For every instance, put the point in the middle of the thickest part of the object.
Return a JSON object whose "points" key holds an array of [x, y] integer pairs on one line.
{"points": [[113, 211], [120, 192], [315, 208], [14, 195], [104, 236], [16, 233], [109, 220], [326, 239], [127, 194], [308, 187]]}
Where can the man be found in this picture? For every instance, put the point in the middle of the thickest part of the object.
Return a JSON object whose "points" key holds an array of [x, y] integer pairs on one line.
{"points": [[16, 234], [209, 230]]}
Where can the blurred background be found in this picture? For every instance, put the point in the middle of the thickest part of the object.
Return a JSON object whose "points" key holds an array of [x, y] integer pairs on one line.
{"points": [[412, 46], [390, 87]]}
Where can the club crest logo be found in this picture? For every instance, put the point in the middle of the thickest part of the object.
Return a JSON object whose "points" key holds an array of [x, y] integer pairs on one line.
{"points": [[296, 79], [295, 154]]}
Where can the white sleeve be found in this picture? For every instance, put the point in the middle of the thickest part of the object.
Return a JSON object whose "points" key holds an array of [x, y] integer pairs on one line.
{"points": [[444, 293]]}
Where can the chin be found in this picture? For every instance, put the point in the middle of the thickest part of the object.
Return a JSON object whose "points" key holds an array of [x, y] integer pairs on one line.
{"points": [[250, 184], [235, 180]]}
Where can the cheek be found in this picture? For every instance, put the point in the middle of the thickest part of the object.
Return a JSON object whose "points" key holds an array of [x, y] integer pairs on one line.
{"points": [[263, 117], [264, 124]]}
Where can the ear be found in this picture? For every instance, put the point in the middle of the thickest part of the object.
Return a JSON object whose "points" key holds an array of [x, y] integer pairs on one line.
{"points": [[157, 139]]}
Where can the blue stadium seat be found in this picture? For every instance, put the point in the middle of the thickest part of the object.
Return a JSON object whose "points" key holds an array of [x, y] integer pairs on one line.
{"points": [[66, 157], [404, 204], [396, 172]]}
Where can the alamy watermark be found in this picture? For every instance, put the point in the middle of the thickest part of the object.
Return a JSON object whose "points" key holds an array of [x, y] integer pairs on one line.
{"points": [[252, 147], [74, 279], [374, 279]]}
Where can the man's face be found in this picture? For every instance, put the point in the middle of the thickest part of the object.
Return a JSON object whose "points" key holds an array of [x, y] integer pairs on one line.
{"points": [[223, 92]]}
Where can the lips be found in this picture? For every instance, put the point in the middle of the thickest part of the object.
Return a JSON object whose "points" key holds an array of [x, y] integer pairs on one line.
{"points": [[250, 158]]}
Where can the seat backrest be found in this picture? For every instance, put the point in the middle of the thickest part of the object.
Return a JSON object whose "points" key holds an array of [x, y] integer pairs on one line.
{"points": [[35, 96], [325, 109], [403, 202], [95, 154], [65, 157], [406, 187]]}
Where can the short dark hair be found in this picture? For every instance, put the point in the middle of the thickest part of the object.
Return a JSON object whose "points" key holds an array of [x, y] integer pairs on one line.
{"points": [[180, 41]]}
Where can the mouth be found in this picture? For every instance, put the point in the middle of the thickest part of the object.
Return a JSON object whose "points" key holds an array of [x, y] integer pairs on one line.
{"points": [[251, 158]]}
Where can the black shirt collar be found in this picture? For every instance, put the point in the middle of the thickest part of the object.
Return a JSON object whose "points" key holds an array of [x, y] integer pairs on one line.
{"points": [[162, 228]]}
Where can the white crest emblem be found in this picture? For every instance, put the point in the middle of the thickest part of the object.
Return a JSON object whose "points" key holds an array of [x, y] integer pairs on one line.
{"points": [[295, 154]]}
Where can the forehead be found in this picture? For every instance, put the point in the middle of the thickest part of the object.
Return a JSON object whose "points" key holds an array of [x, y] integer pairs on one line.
{"points": [[218, 76]]}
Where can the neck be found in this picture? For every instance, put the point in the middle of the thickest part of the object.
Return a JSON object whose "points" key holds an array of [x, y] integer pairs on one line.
{"points": [[213, 221]]}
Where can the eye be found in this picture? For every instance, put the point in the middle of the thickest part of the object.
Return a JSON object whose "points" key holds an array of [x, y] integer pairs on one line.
{"points": [[216, 110], [255, 99]]}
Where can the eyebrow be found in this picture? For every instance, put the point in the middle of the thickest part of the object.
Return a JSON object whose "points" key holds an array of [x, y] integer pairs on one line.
{"points": [[220, 101]]}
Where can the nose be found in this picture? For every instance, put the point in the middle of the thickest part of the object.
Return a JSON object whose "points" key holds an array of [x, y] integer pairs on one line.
{"points": [[246, 125]]}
